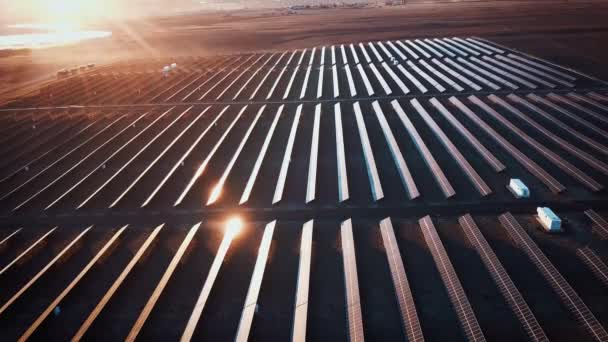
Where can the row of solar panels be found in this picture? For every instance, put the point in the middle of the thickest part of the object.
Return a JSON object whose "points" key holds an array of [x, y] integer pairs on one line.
{"points": [[294, 75], [409, 318], [262, 155]]}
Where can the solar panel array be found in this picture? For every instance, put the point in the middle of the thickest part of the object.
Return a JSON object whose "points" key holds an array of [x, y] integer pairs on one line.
{"points": [[340, 136], [570, 298]]}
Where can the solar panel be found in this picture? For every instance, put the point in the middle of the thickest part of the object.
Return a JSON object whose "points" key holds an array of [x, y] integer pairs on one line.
{"points": [[594, 263], [343, 194], [119, 280], [82, 160], [395, 78], [385, 50], [301, 305], [472, 46], [158, 157], [354, 53], [26, 251], [365, 54], [344, 58], [334, 74], [278, 191], [461, 46], [472, 74], [238, 78], [208, 285], [567, 113], [305, 83], [519, 72], [501, 278], [230, 73], [249, 307], [488, 74], [387, 89], [426, 76], [487, 46], [458, 298], [466, 167], [557, 122], [558, 161], [566, 293], [45, 314], [427, 156], [183, 158], [333, 55], [525, 161], [408, 50], [601, 226], [541, 66], [587, 100], [575, 151], [253, 75], [394, 48], [370, 162], [314, 153], [452, 47], [494, 162], [125, 165], [575, 105], [203, 166], [439, 48], [505, 74], [158, 290], [373, 48], [441, 76], [218, 187], [270, 70], [429, 47], [9, 236], [320, 83], [412, 79], [597, 96], [366, 82], [418, 48], [534, 71], [407, 307], [404, 172], [40, 273], [351, 283], [458, 76], [351, 83]]}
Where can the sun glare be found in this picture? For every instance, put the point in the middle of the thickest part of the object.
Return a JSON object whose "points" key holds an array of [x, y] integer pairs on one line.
{"points": [[234, 225]]}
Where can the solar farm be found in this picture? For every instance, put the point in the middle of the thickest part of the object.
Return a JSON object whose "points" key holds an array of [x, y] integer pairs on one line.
{"points": [[372, 182]]}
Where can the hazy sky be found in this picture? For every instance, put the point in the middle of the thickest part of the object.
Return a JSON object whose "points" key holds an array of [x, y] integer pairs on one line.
{"points": [[13, 11]]}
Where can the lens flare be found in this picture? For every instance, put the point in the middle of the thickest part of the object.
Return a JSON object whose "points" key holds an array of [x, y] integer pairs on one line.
{"points": [[234, 225]]}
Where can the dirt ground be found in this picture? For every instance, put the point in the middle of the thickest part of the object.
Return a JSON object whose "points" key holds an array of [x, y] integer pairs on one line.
{"points": [[570, 33]]}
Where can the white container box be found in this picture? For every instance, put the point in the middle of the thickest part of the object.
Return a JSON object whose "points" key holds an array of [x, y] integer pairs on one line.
{"points": [[548, 219], [518, 188]]}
